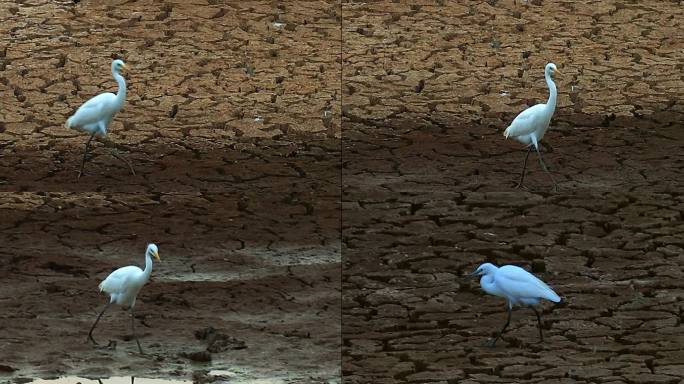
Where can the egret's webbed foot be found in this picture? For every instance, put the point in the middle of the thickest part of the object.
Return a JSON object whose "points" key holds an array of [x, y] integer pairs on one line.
{"points": [[91, 339], [491, 343]]}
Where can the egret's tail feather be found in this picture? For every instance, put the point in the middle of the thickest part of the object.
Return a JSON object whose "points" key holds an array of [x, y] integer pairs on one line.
{"points": [[507, 132], [67, 124], [552, 296], [101, 286]]}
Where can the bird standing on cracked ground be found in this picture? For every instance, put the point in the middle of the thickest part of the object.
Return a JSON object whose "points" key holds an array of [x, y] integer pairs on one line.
{"points": [[517, 286], [531, 124], [123, 286], [95, 115]]}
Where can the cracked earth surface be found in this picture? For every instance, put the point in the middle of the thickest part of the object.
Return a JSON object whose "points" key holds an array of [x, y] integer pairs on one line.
{"points": [[229, 122], [429, 211], [428, 192], [265, 272], [213, 89]]}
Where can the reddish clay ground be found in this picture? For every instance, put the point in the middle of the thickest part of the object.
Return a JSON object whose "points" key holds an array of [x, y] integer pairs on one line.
{"points": [[209, 86], [229, 122], [427, 191]]}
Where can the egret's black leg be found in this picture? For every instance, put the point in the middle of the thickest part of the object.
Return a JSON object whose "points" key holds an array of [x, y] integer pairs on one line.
{"points": [[543, 165], [522, 175], [85, 154], [508, 321], [90, 334], [118, 156], [114, 147], [133, 330], [541, 336]]}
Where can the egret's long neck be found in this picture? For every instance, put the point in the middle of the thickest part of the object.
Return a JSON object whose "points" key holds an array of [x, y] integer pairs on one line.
{"points": [[148, 266], [551, 104], [487, 284], [121, 95]]}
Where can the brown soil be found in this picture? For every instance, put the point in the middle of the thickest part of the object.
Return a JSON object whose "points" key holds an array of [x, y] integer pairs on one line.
{"points": [[209, 84], [229, 122], [428, 192], [263, 271]]}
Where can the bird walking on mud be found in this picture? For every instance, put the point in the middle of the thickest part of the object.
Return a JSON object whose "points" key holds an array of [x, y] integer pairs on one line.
{"points": [[517, 286], [531, 124], [95, 115], [123, 286]]}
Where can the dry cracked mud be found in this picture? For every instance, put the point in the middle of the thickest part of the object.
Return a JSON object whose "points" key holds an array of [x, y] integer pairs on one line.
{"points": [[211, 86], [230, 122], [428, 88], [428, 191]]}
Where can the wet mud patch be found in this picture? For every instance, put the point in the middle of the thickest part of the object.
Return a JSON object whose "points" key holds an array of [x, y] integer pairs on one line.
{"points": [[259, 285]]}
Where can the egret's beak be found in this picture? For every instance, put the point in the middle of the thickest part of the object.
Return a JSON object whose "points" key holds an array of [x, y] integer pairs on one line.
{"points": [[156, 256], [558, 73], [124, 67], [474, 274]]}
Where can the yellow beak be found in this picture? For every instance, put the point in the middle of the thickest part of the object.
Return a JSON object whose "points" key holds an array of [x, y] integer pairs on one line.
{"points": [[557, 72], [156, 256]]}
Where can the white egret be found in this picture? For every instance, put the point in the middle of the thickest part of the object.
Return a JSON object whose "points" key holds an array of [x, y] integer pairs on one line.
{"points": [[123, 286], [531, 124], [95, 115], [517, 286]]}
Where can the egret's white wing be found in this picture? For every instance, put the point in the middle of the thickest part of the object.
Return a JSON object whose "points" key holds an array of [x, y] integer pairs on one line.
{"points": [[117, 281], [93, 110], [517, 282], [526, 122]]}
